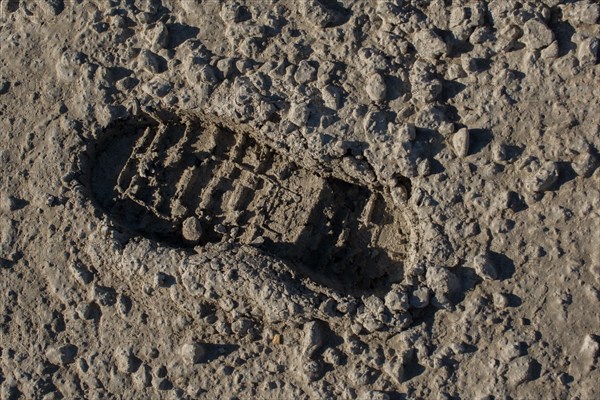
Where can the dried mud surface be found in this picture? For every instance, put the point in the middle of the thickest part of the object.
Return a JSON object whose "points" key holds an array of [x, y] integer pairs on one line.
{"points": [[313, 199]]}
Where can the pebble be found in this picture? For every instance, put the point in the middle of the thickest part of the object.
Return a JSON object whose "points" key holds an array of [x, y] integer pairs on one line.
{"points": [[484, 267], [8, 203], [419, 298], [298, 114], [305, 73], [407, 133], [587, 52], [332, 96], [429, 44], [520, 370], [443, 283], [544, 178], [537, 35], [157, 87], [149, 61], [585, 12], [397, 300], [158, 36], [588, 355], [500, 300], [376, 87], [193, 353], [191, 229], [62, 355], [585, 164], [233, 13], [313, 338], [460, 142], [242, 326]]}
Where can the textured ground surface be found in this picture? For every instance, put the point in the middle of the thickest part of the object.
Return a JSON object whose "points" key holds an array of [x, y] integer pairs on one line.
{"points": [[299, 199]]}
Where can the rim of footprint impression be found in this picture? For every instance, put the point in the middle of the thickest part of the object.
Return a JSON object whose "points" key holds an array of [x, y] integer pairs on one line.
{"points": [[232, 219]]}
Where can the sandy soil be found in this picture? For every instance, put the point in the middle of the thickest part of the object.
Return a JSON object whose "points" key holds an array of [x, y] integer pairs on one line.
{"points": [[299, 199]]}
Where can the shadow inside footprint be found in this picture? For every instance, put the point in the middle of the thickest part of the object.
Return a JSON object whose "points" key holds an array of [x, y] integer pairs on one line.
{"points": [[165, 177]]}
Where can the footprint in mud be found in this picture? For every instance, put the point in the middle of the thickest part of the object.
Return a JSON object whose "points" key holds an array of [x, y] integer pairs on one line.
{"points": [[185, 181]]}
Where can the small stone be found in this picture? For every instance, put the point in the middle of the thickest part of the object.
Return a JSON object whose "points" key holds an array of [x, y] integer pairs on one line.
{"points": [[299, 114], [159, 36], [550, 52], [460, 142], [193, 353], [443, 283], [191, 229], [507, 37], [376, 87], [318, 13], [233, 13], [399, 194], [544, 178], [149, 61], [332, 96], [305, 72], [372, 323], [62, 355], [588, 354], [313, 338], [277, 339], [484, 267], [375, 124], [242, 326], [420, 298], [520, 371], [500, 300], [429, 44], [157, 87], [455, 71], [537, 35], [585, 164], [583, 12], [396, 300], [590, 346], [407, 133], [7, 203], [499, 152], [587, 52]]}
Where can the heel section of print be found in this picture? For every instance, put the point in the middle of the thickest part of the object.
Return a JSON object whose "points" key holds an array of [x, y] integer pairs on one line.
{"points": [[299, 237]]}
